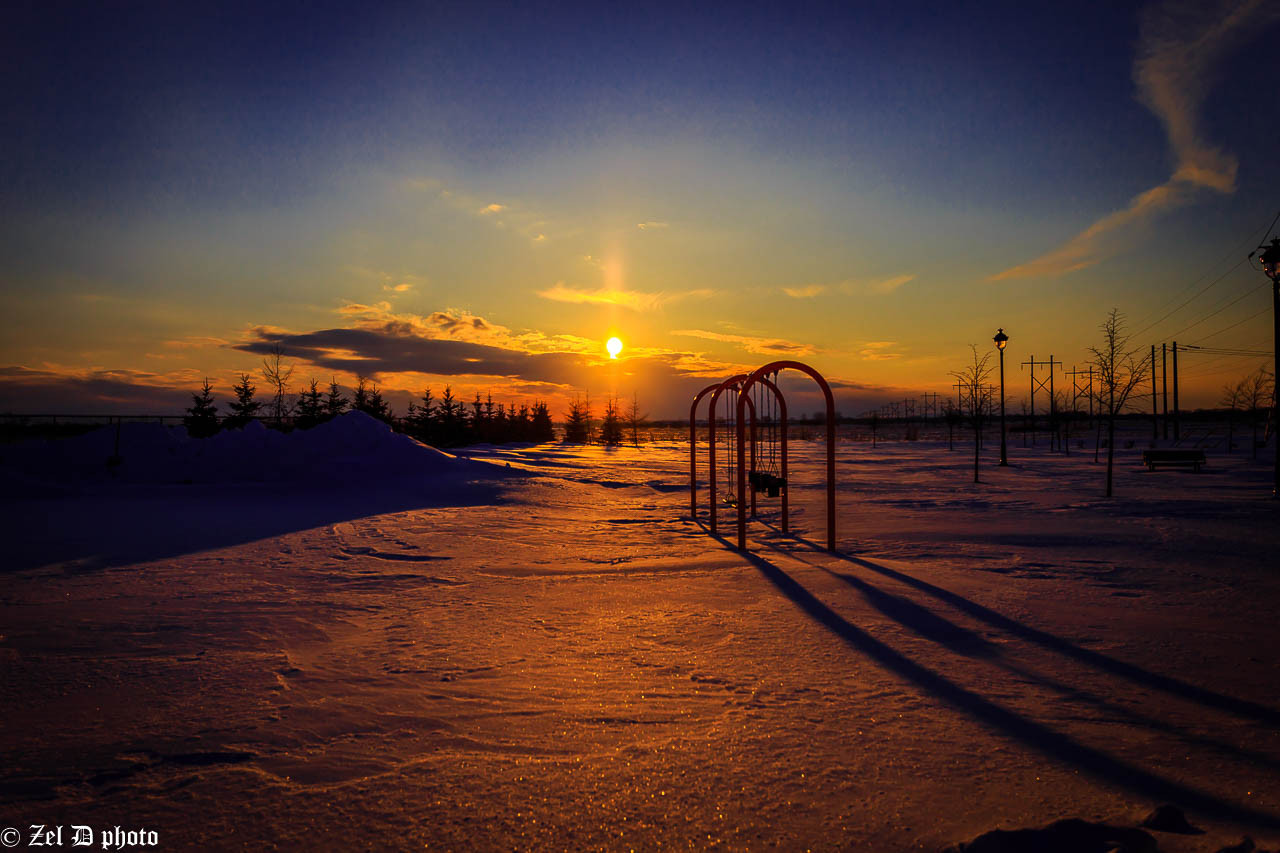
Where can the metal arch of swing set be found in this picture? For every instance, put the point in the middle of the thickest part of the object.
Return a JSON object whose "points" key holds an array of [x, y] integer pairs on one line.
{"points": [[716, 389], [743, 396]]}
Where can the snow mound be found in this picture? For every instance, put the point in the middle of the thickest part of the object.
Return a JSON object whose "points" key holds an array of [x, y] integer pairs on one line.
{"points": [[351, 448]]}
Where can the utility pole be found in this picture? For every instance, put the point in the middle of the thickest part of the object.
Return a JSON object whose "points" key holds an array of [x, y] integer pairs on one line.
{"points": [[1164, 384], [1177, 433], [927, 396], [1053, 406], [1155, 414], [1080, 388], [1032, 425], [1051, 363]]}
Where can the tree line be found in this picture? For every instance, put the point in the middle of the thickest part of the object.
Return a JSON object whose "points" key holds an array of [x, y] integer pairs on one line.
{"points": [[441, 422]]}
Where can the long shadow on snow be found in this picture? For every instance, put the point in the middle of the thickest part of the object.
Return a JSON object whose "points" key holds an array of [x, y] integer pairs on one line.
{"points": [[1191, 692], [1174, 686], [932, 627], [134, 525], [1035, 735]]}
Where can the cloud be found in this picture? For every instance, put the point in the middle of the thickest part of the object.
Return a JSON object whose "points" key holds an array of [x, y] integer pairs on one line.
{"points": [[883, 285], [807, 292], [889, 285], [652, 226], [92, 391], [635, 300], [1180, 45], [752, 343], [402, 287], [491, 208], [195, 342], [878, 351]]}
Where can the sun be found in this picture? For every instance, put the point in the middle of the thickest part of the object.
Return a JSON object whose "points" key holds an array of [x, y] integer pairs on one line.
{"points": [[614, 346]]}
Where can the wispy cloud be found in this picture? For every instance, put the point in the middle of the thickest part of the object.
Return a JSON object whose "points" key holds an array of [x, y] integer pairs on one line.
{"points": [[491, 209], [195, 342], [878, 350], [635, 300], [877, 285], [1180, 45], [807, 292], [652, 226], [752, 343], [402, 287]]}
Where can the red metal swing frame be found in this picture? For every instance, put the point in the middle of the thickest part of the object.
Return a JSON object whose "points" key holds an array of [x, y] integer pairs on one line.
{"points": [[743, 398], [716, 389]]}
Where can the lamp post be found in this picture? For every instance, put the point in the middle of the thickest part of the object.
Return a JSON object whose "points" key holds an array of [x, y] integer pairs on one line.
{"points": [[1002, 340], [1271, 266]]}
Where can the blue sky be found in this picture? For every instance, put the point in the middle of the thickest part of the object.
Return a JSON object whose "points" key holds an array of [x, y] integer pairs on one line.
{"points": [[717, 185]]}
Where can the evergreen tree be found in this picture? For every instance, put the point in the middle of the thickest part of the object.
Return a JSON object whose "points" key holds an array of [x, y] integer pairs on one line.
{"points": [[311, 406], [611, 428], [450, 419], [478, 431], [376, 407], [334, 403], [542, 428], [576, 424], [202, 418], [245, 408], [422, 420], [360, 402]]}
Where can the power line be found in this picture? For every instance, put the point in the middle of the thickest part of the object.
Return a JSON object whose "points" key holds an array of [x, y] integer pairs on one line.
{"points": [[1211, 284], [1237, 323], [1225, 350], [1220, 310], [1192, 298]]}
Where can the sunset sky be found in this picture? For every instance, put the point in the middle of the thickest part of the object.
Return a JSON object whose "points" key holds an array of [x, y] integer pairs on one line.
{"points": [[481, 194]]}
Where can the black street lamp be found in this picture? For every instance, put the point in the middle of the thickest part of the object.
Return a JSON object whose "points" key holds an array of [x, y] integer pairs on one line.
{"points": [[1271, 266], [1002, 340]]}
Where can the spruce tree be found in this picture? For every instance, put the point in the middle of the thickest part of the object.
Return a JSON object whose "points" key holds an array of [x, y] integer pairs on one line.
{"points": [[576, 429], [542, 427], [360, 402], [450, 418], [611, 428], [479, 433], [244, 408], [423, 419], [311, 406], [377, 407], [334, 403], [202, 418]]}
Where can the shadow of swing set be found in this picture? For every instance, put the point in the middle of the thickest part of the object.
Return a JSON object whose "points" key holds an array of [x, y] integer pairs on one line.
{"points": [[756, 395]]}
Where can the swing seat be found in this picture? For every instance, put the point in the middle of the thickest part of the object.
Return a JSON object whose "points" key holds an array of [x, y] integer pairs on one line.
{"points": [[770, 484]]}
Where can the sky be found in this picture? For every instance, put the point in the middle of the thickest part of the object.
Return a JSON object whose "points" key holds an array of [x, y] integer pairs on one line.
{"points": [[479, 195]]}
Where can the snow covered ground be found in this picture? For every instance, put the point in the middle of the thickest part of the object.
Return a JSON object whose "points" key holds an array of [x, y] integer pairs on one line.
{"points": [[455, 653]]}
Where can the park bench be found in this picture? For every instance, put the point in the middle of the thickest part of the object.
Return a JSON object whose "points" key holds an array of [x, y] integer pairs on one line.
{"points": [[1179, 458]]}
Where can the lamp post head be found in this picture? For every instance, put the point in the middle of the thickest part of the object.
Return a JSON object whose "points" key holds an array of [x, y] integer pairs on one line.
{"points": [[1001, 338], [1271, 260]]}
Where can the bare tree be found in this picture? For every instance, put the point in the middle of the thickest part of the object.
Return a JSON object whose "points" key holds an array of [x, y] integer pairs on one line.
{"points": [[975, 397], [1256, 390], [635, 419], [277, 375], [1121, 370], [1232, 397]]}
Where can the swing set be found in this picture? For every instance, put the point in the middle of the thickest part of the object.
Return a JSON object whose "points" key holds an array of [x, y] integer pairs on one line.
{"points": [[764, 468]]}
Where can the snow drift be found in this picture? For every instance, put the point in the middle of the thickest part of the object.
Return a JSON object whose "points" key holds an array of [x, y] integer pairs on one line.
{"points": [[351, 448]]}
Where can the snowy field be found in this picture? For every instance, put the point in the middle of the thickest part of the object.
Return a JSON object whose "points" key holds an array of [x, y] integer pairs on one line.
{"points": [[363, 643]]}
